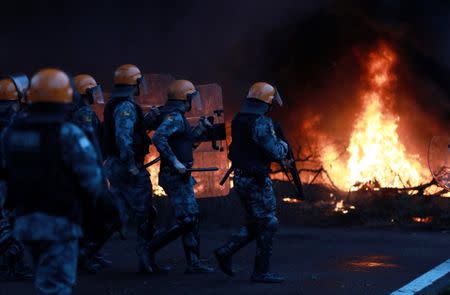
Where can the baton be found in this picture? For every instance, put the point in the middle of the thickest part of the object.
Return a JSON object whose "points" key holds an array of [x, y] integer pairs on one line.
{"points": [[226, 176], [152, 162]]}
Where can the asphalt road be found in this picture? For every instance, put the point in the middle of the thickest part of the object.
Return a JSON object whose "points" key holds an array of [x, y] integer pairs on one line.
{"points": [[315, 261]]}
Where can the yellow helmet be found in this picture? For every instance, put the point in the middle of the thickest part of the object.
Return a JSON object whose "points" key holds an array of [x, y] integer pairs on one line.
{"points": [[181, 90], [127, 75], [50, 85], [84, 82], [8, 90], [264, 92]]}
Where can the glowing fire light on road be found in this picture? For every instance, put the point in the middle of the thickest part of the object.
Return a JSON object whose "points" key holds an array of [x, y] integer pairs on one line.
{"points": [[291, 200], [427, 219], [375, 151]]}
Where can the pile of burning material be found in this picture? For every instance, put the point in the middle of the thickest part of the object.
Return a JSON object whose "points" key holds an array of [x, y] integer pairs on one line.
{"points": [[374, 179]]}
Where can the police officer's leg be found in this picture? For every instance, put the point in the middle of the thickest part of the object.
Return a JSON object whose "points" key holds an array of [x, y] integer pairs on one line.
{"points": [[12, 250], [56, 263], [191, 245], [238, 240], [99, 225], [264, 243], [266, 227], [247, 188]]}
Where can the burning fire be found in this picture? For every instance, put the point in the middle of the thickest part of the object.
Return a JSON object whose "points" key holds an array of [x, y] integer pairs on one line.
{"points": [[375, 151]]}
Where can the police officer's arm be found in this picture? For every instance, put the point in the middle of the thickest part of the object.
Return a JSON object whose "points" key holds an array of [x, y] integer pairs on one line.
{"points": [[124, 119], [170, 125], [78, 153], [200, 131], [264, 135], [83, 118]]}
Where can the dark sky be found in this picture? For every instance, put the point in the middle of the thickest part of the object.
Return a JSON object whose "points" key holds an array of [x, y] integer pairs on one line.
{"points": [[295, 44], [186, 38]]}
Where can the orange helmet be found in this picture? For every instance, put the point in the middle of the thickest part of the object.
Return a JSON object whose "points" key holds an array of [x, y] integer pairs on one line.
{"points": [[181, 89], [127, 75], [50, 85], [84, 82], [8, 90], [264, 92]]}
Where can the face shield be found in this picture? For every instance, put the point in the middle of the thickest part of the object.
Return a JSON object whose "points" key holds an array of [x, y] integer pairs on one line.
{"points": [[277, 99], [95, 95], [22, 83], [142, 85], [195, 101]]}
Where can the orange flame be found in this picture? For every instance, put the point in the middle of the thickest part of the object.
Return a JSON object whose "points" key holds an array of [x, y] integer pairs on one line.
{"points": [[375, 151]]}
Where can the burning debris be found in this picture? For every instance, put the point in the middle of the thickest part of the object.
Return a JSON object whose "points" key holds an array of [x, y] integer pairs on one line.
{"points": [[377, 157]]}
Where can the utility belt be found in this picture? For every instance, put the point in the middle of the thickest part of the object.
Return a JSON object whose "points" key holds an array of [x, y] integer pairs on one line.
{"points": [[259, 175]]}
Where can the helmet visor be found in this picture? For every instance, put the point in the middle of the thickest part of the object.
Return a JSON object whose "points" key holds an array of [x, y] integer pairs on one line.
{"points": [[96, 94], [22, 83], [195, 100], [277, 99], [143, 85]]}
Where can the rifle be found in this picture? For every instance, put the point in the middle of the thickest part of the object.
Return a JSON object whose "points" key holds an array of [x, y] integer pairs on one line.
{"points": [[290, 169]]}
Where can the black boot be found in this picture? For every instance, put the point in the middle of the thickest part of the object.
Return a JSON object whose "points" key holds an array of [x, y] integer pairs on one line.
{"points": [[147, 264], [224, 254], [195, 265], [86, 260], [101, 260], [261, 273], [191, 245], [160, 239]]}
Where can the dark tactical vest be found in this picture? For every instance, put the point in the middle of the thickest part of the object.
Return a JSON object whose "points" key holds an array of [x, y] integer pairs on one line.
{"points": [[141, 141], [38, 179], [245, 154], [181, 142]]}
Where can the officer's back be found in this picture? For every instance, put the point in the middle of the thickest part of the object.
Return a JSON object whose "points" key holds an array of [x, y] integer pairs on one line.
{"points": [[50, 168]]}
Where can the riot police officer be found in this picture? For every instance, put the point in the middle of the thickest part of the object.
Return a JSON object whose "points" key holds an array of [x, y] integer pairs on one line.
{"points": [[83, 115], [126, 144], [175, 139], [254, 146], [12, 91], [51, 169]]}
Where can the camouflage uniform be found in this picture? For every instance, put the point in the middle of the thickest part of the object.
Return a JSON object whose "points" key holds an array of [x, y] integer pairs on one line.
{"points": [[98, 223], [175, 140], [50, 234], [88, 121], [254, 147], [125, 132], [11, 249]]}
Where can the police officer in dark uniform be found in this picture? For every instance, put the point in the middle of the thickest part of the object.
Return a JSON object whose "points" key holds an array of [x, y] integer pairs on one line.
{"points": [[12, 90], [175, 140], [126, 143], [51, 170], [254, 146], [83, 115]]}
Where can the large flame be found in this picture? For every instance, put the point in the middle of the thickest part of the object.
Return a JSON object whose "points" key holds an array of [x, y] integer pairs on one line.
{"points": [[375, 152]]}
